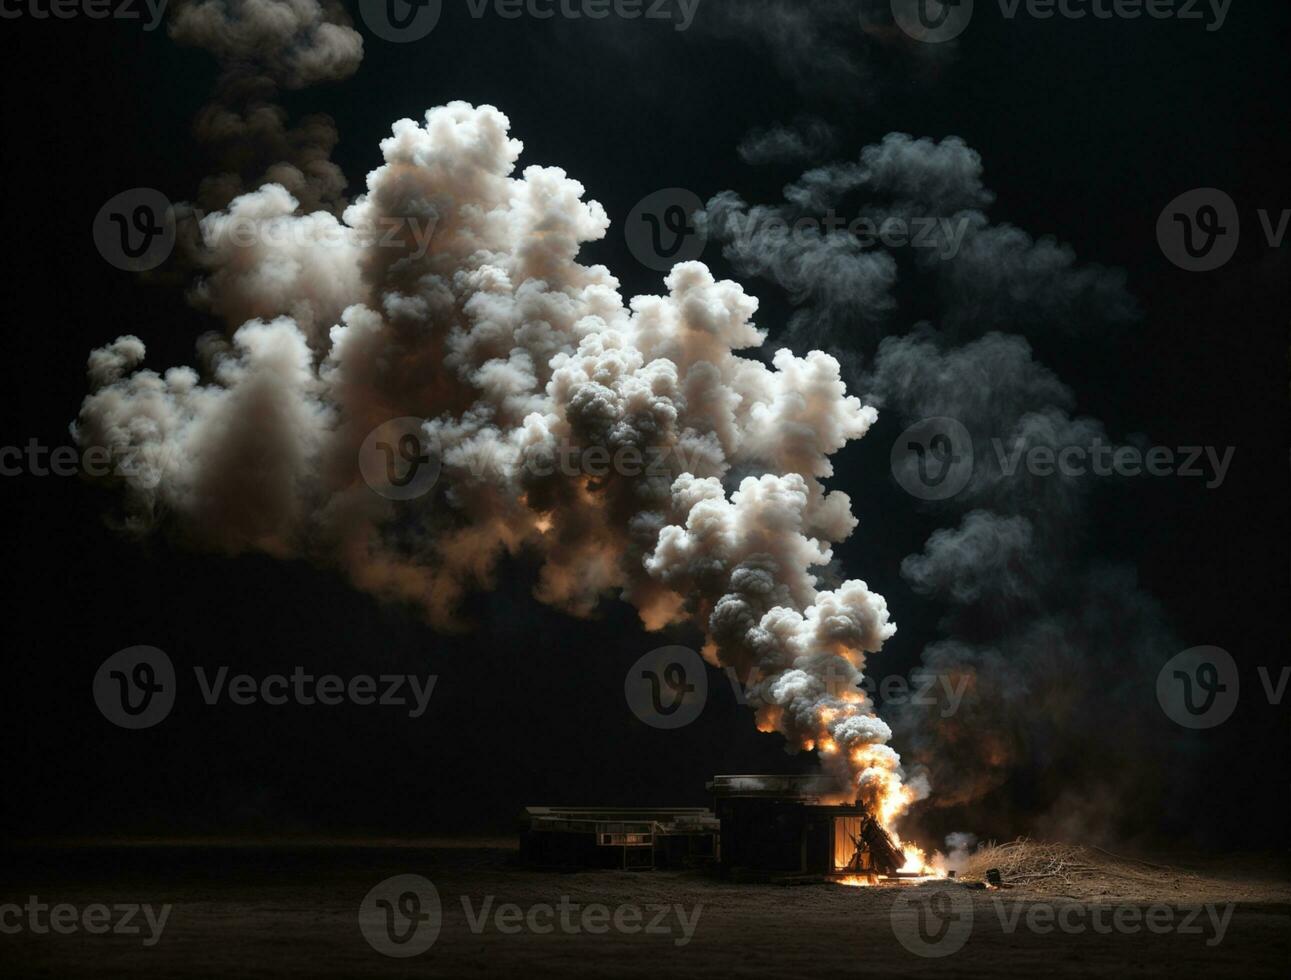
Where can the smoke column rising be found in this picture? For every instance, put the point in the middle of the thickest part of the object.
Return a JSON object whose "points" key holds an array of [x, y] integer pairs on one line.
{"points": [[513, 352]]}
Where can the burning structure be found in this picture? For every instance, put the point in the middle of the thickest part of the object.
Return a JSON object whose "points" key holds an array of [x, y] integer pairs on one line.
{"points": [[760, 826], [781, 825]]}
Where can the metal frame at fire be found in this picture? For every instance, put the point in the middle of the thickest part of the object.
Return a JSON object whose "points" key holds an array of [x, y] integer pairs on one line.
{"points": [[763, 827]]}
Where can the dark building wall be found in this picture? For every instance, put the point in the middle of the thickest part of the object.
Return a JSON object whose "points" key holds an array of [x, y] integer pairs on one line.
{"points": [[790, 835], [770, 835]]}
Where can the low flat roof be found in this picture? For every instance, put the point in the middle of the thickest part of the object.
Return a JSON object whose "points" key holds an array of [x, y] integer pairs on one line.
{"points": [[798, 787], [618, 812], [620, 819], [807, 790]]}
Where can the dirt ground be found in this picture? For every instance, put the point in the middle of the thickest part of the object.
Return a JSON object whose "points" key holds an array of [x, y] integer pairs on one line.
{"points": [[267, 909]]}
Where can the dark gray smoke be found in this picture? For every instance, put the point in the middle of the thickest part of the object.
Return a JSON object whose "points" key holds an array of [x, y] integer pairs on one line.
{"points": [[831, 50], [836, 241], [262, 47], [1055, 650], [805, 140]]}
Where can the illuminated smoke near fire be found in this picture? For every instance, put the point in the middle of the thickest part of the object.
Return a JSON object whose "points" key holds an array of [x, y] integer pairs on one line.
{"points": [[512, 350], [481, 321]]}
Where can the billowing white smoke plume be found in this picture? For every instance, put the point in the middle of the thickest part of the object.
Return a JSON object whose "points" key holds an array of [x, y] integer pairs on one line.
{"points": [[514, 353]]}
